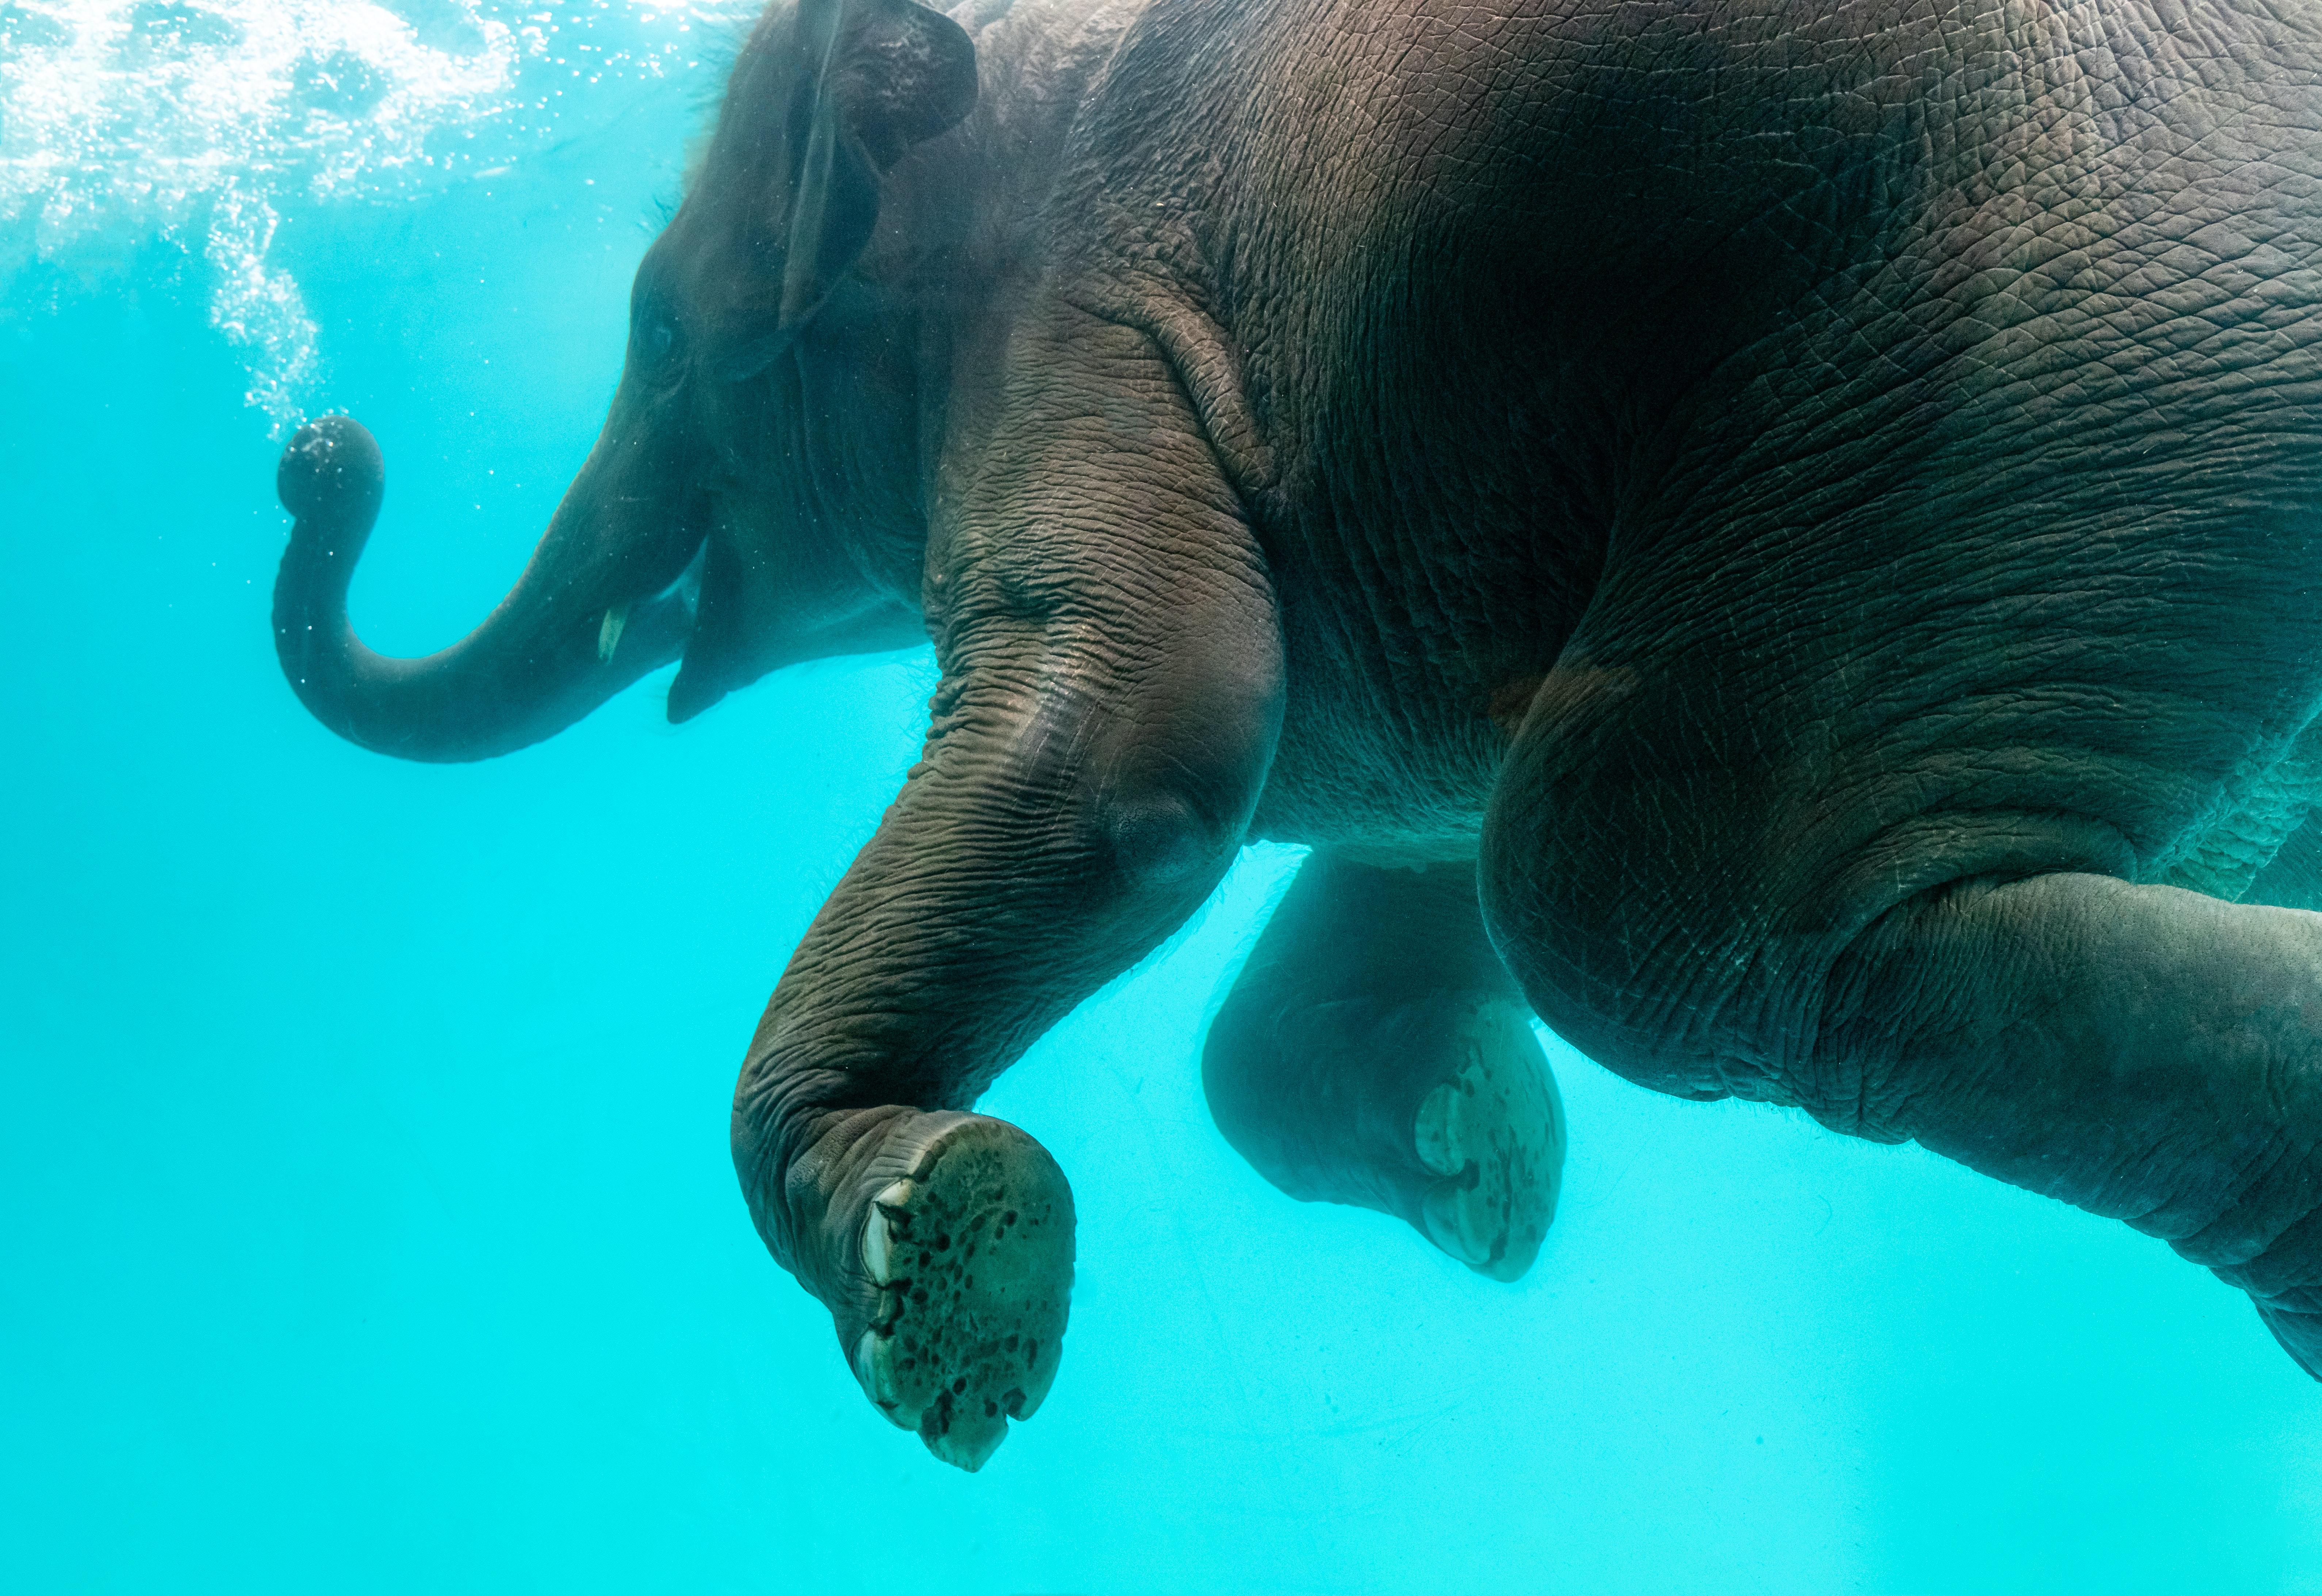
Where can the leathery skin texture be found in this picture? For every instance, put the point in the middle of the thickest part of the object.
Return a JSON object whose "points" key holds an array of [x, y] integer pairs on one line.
{"points": [[1779, 538]]}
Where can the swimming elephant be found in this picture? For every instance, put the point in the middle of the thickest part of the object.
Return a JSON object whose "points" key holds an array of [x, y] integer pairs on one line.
{"points": [[1781, 537]]}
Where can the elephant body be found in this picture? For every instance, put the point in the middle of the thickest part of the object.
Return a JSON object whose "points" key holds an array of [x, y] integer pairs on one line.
{"points": [[1779, 537]]}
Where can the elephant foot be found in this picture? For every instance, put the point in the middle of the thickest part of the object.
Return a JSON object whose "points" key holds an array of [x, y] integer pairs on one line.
{"points": [[1439, 1109], [970, 1255], [1494, 1133]]}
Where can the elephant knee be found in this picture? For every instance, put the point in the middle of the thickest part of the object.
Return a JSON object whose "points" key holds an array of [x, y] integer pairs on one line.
{"points": [[1156, 838], [1577, 934], [1165, 809], [1657, 934]]}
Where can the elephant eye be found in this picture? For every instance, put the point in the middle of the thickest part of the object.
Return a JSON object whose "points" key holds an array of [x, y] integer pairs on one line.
{"points": [[660, 339]]}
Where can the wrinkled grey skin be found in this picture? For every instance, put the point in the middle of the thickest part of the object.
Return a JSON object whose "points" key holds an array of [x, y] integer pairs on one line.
{"points": [[1816, 507]]}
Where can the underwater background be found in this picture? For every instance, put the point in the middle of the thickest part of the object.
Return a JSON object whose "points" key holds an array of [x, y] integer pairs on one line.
{"points": [[366, 1219]]}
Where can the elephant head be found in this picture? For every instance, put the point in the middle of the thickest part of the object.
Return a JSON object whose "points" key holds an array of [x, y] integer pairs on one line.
{"points": [[756, 497]]}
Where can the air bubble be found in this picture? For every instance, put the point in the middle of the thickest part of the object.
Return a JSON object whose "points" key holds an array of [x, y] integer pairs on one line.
{"points": [[205, 122]]}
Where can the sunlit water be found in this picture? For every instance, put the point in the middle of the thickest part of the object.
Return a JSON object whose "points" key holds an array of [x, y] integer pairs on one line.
{"points": [[366, 1223]]}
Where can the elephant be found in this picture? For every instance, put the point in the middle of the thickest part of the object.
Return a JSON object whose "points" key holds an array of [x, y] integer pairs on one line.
{"points": [[1777, 537]]}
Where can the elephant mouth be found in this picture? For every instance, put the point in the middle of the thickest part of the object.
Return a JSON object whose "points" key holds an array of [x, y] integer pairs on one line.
{"points": [[753, 607], [710, 588], [698, 610], [682, 592], [692, 617]]}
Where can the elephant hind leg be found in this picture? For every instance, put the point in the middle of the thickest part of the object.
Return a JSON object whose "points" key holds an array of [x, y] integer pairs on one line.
{"points": [[1925, 922], [1374, 1051], [2145, 1051]]}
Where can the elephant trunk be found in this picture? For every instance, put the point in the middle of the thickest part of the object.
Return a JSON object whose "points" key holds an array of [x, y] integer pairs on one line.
{"points": [[597, 607]]}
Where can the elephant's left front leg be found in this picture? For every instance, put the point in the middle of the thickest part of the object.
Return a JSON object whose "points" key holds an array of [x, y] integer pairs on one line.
{"points": [[1377, 1052], [1110, 701]]}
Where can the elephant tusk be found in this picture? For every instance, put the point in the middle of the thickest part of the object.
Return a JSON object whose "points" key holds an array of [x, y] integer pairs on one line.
{"points": [[609, 634]]}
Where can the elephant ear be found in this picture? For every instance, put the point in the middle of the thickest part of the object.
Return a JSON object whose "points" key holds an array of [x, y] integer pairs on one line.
{"points": [[869, 78]]}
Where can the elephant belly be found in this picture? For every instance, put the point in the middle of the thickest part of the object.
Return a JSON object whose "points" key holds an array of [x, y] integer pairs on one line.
{"points": [[1406, 786], [1411, 656]]}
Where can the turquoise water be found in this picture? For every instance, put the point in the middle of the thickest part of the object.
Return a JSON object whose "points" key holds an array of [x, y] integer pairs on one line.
{"points": [[370, 1221]]}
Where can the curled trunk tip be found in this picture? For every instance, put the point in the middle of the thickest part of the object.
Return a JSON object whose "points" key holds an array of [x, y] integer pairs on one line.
{"points": [[332, 470], [596, 609]]}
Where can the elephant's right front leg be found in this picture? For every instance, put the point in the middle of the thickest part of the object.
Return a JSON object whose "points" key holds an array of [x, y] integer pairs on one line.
{"points": [[1110, 697]]}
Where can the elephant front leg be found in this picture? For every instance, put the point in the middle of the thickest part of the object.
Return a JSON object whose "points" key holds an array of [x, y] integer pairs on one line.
{"points": [[1111, 696], [1375, 1052]]}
